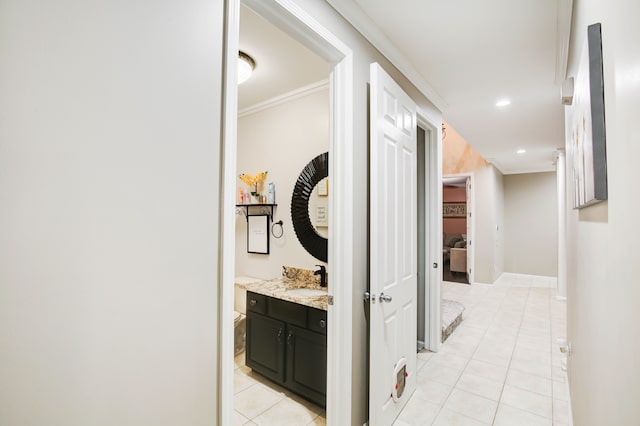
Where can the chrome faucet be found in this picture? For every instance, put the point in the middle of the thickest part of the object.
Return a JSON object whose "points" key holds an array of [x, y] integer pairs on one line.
{"points": [[323, 275]]}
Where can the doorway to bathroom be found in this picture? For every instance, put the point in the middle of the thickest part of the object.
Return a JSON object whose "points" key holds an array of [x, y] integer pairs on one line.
{"points": [[328, 103], [283, 126]]}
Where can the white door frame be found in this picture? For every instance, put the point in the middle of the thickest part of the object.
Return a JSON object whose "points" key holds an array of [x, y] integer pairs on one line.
{"points": [[432, 304], [288, 16], [471, 201]]}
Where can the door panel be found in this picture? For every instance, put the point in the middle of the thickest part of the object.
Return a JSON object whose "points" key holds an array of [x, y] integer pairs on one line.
{"points": [[265, 346], [393, 242], [307, 364]]}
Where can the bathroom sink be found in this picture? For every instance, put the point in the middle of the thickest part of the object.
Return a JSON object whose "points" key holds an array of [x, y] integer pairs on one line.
{"points": [[306, 292]]}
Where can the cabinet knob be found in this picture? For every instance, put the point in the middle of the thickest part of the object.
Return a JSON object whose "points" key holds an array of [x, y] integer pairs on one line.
{"points": [[253, 302], [323, 323]]}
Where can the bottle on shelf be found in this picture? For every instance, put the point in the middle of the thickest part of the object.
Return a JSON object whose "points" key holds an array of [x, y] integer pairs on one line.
{"points": [[271, 194]]}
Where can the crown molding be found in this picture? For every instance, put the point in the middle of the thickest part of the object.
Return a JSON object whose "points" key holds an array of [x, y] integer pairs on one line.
{"points": [[370, 30], [544, 169], [285, 97], [563, 35]]}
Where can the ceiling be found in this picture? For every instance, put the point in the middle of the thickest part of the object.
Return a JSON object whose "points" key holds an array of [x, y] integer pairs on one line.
{"points": [[467, 55], [282, 64], [472, 54]]}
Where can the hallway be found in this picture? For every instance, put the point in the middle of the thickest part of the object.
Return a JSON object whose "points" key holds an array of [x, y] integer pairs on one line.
{"points": [[501, 366]]}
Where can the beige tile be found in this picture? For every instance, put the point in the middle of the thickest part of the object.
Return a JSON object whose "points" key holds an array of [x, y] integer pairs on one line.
{"points": [[242, 381], [432, 391], [305, 403], [529, 382], [490, 357], [286, 412], [458, 348], [468, 332], [487, 370], [418, 412], [510, 416], [528, 355], [480, 386], [239, 419], [449, 360], [399, 422], [528, 401], [255, 400], [509, 332], [436, 373], [470, 405], [502, 349], [542, 369], [318, 421], [533, 343], [560, 412], [420, 363], [451, 418], [238, 360], [425, 355]]}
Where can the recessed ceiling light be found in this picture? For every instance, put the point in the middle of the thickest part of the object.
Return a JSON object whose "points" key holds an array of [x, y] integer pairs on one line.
{"points": [[246, 64], [521, 151], [503, 102]]}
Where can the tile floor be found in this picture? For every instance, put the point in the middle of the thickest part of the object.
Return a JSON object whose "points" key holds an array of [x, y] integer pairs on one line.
{"points": [[501, 366], [257, 401]]}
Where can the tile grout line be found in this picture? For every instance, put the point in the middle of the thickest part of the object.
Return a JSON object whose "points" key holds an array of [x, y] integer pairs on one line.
{"points": [[485, 295], [511, 357]]}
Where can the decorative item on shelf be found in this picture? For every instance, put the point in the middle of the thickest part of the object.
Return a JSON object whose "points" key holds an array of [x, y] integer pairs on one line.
{"points": [[256, 186]]}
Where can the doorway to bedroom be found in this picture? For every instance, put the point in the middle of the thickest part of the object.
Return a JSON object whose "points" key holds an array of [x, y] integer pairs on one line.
{"points": [[456, 225]]}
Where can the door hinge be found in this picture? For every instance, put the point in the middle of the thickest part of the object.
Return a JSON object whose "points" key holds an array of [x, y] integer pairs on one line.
{"points": [[330, 300]]}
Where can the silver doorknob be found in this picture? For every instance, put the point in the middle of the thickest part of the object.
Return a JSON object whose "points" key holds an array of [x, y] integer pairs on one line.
{"points": [[385, 298]]}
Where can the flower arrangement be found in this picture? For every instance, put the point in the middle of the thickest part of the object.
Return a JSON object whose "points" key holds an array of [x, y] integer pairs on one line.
{"points": [[255, 183]]}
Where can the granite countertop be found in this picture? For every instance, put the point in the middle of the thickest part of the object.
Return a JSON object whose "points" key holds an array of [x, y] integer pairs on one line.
{"points": [[278, 287]]}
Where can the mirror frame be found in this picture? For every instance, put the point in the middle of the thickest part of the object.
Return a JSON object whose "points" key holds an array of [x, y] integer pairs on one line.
{"points": [[316, 170]]}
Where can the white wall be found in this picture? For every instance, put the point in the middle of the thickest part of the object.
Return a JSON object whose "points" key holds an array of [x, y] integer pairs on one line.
{"points": [[282, 140], [602, 253], [531, 224], [489, 224], [109, 159], [109, 179], [363, 55]]}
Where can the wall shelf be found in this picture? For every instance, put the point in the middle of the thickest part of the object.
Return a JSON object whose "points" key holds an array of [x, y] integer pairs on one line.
{"points": [[262, 208]]}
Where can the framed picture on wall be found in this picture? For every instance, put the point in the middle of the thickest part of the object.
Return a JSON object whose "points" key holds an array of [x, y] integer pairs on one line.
{"points": [[258, 234], [454, 210], [585, 127]]}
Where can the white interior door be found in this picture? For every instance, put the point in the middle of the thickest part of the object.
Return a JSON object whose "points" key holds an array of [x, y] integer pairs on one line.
{"points": [[393, 255]]}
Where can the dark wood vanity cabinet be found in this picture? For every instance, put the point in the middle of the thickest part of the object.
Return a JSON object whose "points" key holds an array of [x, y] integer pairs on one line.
{"points": [[287, 343]]}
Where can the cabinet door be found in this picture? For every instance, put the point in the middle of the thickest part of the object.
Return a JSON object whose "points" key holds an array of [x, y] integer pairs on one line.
{"points": [[307, 364], [265, 346]]}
